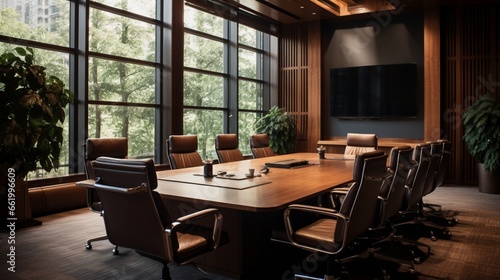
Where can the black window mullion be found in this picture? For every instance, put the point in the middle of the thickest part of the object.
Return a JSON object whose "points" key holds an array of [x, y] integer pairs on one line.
{"points": [[233, 77]]}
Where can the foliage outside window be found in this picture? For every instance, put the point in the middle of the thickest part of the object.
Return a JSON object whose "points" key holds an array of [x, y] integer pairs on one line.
{"points": [[211, 89]]}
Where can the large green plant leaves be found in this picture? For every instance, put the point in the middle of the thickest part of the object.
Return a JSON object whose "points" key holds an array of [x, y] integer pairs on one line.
{"points": [[280, 127], [482, 134], [32, 112]]}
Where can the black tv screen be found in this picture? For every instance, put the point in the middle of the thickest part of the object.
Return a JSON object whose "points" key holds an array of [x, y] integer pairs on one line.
{"points": [[374, 92]]}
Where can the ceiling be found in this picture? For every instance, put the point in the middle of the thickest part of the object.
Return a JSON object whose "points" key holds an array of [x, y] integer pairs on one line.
{"points": [[296, 11]]}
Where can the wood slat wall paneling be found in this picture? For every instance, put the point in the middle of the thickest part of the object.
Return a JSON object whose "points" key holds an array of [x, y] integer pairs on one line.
{"points": [[293, 78], [471, 58], [300, 80]]}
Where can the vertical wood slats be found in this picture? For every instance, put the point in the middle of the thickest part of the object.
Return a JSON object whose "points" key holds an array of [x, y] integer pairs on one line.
{"points": [[471, 62], [293, 78]]}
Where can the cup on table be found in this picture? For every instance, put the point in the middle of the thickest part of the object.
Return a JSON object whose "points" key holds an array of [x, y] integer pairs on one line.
{"points": [[251, 172]]}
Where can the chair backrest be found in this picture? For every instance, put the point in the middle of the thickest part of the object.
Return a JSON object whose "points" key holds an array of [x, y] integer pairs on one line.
{"points": [[436, 153], [182, 151], [359, 164], [443, 163], [360, 203], [416, 178], [125, 210], [259, 144], [97, 147], [359, 143], [226, 147], [400, 164]]}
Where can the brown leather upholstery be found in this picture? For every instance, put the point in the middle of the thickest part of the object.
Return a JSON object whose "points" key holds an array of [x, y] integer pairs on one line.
{"points": [[96, 147], [333, 231], [392, 195], [416, 179], [337, 195], [135, 218], [415, 190], [436, 154], [226, 146], [92, 149], [359, 143], [182, 151], [259, 144]]}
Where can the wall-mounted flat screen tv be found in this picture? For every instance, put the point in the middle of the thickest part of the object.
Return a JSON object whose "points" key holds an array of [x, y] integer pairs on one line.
{"points": [[374, 92]]}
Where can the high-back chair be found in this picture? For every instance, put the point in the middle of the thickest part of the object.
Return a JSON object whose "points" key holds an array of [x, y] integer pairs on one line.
{"points": [[440, 151], [137, 218], [182, 151], [259, 145], [415, 186], [332, 231], [226, 147], [92, 149], [357, 143], [391, 199], [337, 194]]}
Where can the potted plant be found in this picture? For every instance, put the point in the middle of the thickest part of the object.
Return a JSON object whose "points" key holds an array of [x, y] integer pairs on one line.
{"points": [[280, 127], [482, 136], [31, 116]]}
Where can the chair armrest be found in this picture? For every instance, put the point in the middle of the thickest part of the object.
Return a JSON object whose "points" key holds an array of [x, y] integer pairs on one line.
{"points": [[313, 210], [202, 214], [130, 190]]}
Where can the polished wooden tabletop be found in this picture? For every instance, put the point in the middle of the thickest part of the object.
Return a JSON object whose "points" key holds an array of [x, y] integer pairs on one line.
{"points": [[269, 192]]}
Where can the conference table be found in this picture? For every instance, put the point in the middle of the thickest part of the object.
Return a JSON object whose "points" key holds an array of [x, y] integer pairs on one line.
{"points": [[252, 207]]}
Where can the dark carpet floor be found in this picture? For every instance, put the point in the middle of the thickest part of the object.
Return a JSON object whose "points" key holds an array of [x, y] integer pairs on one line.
{"points": [[56, 249]]}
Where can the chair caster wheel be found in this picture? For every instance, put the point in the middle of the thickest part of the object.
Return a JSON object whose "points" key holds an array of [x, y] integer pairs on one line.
{"points": [[411, 270], [417, 260], [430, 253], [115, 251], [433, 238], [88, 247]]}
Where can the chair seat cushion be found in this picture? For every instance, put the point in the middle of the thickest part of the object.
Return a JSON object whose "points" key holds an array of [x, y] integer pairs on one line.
{"points": [[191, 245], [319, 234]]}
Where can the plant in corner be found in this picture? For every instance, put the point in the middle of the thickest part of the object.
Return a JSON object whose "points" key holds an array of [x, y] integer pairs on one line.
{"points": [[31, 116], [481, 135], [280, 127]]}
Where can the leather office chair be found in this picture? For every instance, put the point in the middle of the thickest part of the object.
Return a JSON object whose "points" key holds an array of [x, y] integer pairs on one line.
{"points": [[337, 194], [412, 207], [226, 147], [391, 197], [182, 151], [441, 150], [92, 149], [137, 218], [259, 144], [334, 231], [359, 143]]}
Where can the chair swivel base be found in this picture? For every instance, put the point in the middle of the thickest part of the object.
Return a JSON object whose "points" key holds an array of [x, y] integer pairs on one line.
{"points": [[88, 246]]}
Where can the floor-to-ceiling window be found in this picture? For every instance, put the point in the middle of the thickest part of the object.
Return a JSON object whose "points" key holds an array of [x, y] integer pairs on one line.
{"points": [[122, 62], [226, 76], [112, 55]]}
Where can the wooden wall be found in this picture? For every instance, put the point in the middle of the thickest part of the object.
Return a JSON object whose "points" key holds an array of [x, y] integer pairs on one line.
{"points": [[470, 67], [462, 60], [300, 81]]}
